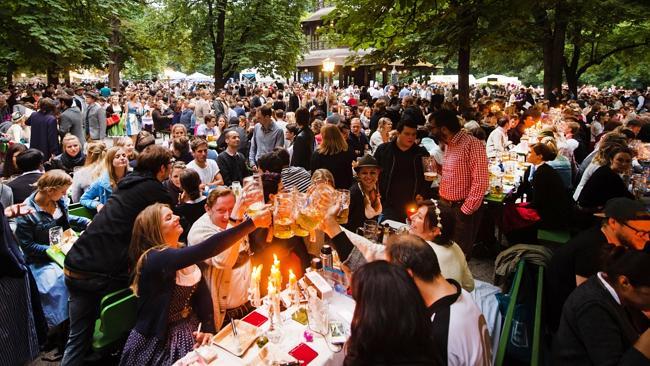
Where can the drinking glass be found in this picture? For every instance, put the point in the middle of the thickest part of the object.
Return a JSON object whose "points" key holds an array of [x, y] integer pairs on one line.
{"points": [[56, 234], [283, 216], [371, 230], [301, 201], [344, 206], [429, 167], [236, 188], [254, 182]]}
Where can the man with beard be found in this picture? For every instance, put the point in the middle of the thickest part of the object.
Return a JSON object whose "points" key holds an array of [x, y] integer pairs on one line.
{"points": [[625, 223]]}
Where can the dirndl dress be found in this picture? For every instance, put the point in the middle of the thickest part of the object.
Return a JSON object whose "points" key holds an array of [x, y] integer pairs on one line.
{"points": [[132, 121], [142, 350], [50, 282]]}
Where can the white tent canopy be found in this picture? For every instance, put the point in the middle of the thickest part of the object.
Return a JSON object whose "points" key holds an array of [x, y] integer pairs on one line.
{"points": [[498, 79], [449, 79], [197, 76], [170, 74]]}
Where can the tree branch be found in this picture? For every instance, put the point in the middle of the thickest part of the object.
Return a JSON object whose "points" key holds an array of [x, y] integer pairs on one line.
{"points": [[598, 60]]}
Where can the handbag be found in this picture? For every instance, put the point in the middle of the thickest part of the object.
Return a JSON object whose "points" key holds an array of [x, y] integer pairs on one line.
{"points": [[113, 120]]}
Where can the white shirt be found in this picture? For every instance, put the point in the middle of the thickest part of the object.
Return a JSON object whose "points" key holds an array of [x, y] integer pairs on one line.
{"points": [[468, 340], [496, 142], [208, 173], [453, 264]]}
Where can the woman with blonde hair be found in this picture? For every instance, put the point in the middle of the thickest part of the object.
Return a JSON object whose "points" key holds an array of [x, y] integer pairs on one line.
{"points": [[127, 144], [49, 206], [334, 155], [173, 298], [71, 157], [382, 135], [115, 168], [83, 178]]}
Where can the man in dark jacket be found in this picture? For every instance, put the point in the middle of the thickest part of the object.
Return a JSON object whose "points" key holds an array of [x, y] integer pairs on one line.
{"points": [[44, 135], [402, 178], [98, 262], [30, 163], [303, 143]]}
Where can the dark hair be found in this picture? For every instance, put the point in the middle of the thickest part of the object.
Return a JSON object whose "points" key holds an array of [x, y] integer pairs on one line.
{"points": [[46, 105], [414, 253], [65, 100], [385, 293], [406, 123], [544, 151], [283, 155], [181, 144], [190, 182], [633, 264], [8, 168], [144, 139], [270, 184], [30, 159], [446, 118], [152, 158], [265, 111], [445, 219], [293, 128], [302, 117], [503, 121], [270, 161], [634, 123], [611, 153], [279, 113]]}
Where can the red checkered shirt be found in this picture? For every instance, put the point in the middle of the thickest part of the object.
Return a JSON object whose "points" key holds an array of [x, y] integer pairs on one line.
{"points": [[465, 172]]}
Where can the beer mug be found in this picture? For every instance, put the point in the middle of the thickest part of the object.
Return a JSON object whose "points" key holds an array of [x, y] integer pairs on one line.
{"points": [[301, 200], [344, 206], [283, 216], [429, 167], [56, 235], [254, 182]]}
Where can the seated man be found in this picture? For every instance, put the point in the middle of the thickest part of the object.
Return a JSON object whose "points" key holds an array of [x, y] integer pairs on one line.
{"points": [[207, 168], [459, 328], [232, 163], [30, 163], [227, 274], [277, 161], [626, 223]]}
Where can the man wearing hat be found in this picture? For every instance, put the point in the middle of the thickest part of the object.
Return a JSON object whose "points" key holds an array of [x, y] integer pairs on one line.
{"points": [[79, 99], [94, 118], [625, 222]]}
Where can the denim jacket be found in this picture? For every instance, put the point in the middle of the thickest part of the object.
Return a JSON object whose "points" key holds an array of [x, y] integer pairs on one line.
{"points": [[33, 230], [100, 189]]}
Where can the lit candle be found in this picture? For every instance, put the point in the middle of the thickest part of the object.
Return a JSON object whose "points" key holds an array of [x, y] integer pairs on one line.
{"points": [[292, 279], [276, 261], [276, 277], [271, 289]]}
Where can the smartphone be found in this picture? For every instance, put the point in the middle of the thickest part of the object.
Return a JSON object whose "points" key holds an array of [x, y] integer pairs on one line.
{"points": [[337, 332]]}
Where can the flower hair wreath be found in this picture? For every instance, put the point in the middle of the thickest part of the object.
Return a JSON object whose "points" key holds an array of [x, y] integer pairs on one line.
{"points": [[437, 211]]}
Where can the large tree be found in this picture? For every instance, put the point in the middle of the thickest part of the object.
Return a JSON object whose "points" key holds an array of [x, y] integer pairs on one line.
{"points": [[265, 34]]}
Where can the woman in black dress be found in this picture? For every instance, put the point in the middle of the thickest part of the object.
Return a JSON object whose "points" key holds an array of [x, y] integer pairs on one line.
{"points": [[606, 182], [334, 155]]}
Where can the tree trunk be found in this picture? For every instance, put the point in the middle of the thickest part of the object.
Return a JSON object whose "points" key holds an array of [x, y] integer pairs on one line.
{"points": [[66, 76], [217, 39], [9, 72], [463, 73], [52, 75], [115, 59], [559, 38]]}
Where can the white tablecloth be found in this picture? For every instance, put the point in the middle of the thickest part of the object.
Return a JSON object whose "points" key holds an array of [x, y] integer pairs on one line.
{"points": [[341, 308]]}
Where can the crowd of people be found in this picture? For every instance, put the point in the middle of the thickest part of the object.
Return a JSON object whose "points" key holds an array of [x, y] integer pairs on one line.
{"points": [[160, 165]]}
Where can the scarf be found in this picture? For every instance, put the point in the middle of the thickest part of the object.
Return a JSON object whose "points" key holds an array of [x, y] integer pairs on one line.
{"points": [[70, 162]]}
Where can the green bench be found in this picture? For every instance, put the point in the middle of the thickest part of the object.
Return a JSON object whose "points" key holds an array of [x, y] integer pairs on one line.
{"points": [[118, 312], [78, 210], [553, 236], [510, 312]]}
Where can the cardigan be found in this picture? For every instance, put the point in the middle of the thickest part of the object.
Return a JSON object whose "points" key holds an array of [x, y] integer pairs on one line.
{"points": [[158, 278]]}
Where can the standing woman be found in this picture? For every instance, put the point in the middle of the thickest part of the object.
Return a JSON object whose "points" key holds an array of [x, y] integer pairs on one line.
{"points": [[365, 200], [173, 298], [114, 107], [190, 205], [382, 135], [115, 168], [71, 157], [134, 112], [303, 143], [45, 131], [333, 154], [84, 177], [50, 207]]}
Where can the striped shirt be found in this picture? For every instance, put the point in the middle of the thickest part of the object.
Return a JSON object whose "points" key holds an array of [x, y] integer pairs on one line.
{"points": [[296, 176]]}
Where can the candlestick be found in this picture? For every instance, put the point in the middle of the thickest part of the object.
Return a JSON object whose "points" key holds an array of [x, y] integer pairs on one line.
{"points": [[254, 290]]}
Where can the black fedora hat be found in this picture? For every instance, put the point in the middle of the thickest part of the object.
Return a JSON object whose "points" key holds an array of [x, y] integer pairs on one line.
{"points": [[366, 161]]}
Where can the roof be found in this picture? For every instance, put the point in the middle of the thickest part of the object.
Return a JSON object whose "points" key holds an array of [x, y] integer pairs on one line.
{"points": [[319, 14], [339, 55]]}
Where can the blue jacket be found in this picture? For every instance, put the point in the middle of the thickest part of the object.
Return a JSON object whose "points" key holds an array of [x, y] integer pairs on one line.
{"points": [[44, 134], [100, 189], [32, 230]]}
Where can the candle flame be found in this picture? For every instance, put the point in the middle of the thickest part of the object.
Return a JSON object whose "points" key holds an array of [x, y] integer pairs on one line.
{"points": [[276, 261]]}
